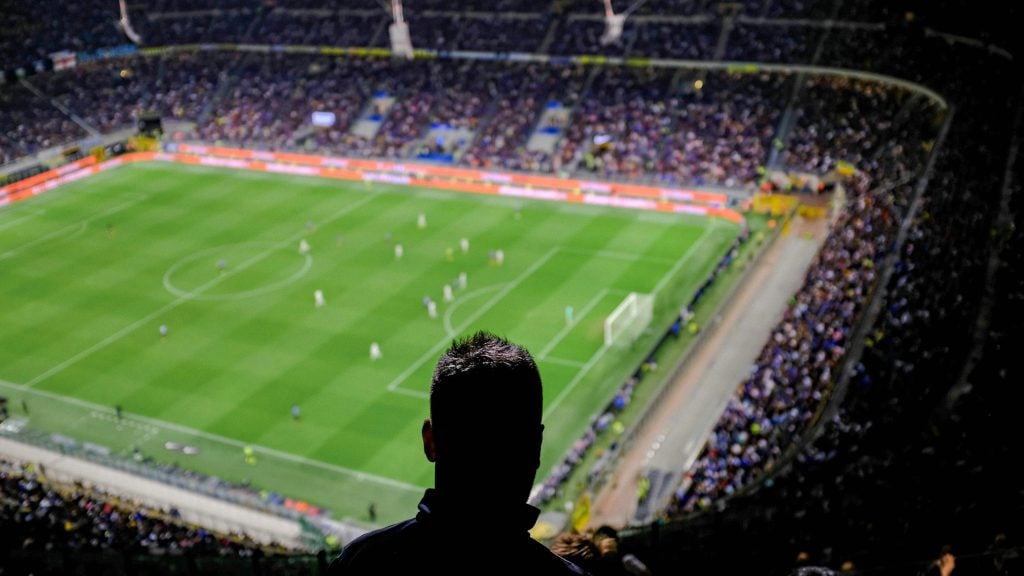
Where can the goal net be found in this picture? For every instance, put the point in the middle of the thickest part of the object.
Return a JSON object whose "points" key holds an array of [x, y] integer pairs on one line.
{"points": [[629, 319]]}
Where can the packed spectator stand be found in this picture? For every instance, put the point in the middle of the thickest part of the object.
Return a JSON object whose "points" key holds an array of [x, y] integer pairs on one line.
{"points": [[680, 126], [910, 457], [50, 528]]}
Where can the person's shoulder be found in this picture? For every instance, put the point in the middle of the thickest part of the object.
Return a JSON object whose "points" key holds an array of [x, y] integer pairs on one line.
{"points": [[368, 550]]}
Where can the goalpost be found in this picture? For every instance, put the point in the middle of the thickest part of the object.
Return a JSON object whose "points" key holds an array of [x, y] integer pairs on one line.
{"points": [[629, 319]]}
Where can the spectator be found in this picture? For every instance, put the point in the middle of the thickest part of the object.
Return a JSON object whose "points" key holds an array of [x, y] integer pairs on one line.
{"points": [[485, 419], [38, 516]]}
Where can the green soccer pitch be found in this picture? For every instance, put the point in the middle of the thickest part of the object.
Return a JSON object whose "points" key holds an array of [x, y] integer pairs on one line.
{"points": [[89, 273]]}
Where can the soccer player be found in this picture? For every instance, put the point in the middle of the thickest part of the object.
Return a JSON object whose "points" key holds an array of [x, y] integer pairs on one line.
{"points": [[399, 251], [569, 312], [432, 309], [421, 221], [318, 298], [111, 231], [310, 226], [221, 265], [250, 455], [163, 331], [375, 351], [448, 293], [463, 280], [499, 257], [295, 412], [449, 254], [118, 412], [303, 247], [464, 245]]}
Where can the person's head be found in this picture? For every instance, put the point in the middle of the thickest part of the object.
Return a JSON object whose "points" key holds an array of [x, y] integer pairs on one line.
{"points": [[486, 401]]}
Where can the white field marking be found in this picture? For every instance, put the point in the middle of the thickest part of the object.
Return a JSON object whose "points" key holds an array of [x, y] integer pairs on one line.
{"points": [[659, 217], [604, 348], [112, 419], [562, 361], [79, 225], [619, 255], [259, 291], [432, 353], [147, 436], [568, 327], [575, 380], [30, 215], [145, 431], [686, 257], [358, 475], [413, 393], [181, 300], [465, 298]]}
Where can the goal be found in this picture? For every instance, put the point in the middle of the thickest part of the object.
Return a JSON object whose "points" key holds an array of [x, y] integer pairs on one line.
{"points": [[629, 319]]}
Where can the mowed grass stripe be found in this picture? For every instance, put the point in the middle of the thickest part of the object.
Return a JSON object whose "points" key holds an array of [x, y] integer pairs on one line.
{"points": [[234, 367], [195, 340]]}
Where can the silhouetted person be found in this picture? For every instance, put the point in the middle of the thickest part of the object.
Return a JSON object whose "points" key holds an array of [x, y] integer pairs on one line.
{"points": [[483, 436]]}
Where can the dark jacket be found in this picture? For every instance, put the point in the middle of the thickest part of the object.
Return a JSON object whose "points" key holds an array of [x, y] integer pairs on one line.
{"points": [[444, 540]]}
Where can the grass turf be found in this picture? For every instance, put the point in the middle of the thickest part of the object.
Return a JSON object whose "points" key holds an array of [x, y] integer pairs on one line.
{"points": [[91, 270]]}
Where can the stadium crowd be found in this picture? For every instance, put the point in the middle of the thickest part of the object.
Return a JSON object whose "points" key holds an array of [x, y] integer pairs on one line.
{"points": [[798, 365], [795, 369], [619, 122], [755, 31], [30, 124], [656, 123], [36, 515], [912, 457], [637, 112]]}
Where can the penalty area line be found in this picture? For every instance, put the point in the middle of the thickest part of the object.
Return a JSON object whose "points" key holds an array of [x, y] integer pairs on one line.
{"points": [[437, 348]]}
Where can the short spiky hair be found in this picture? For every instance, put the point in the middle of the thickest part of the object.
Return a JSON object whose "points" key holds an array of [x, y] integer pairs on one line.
{"points": [[483, 378]]}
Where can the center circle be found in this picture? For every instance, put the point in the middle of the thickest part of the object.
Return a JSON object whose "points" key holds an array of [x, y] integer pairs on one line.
{"points": [[225, 265]]}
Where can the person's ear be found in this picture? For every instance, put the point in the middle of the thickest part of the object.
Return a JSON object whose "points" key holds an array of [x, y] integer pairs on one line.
{"points": [[429, 448]]}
